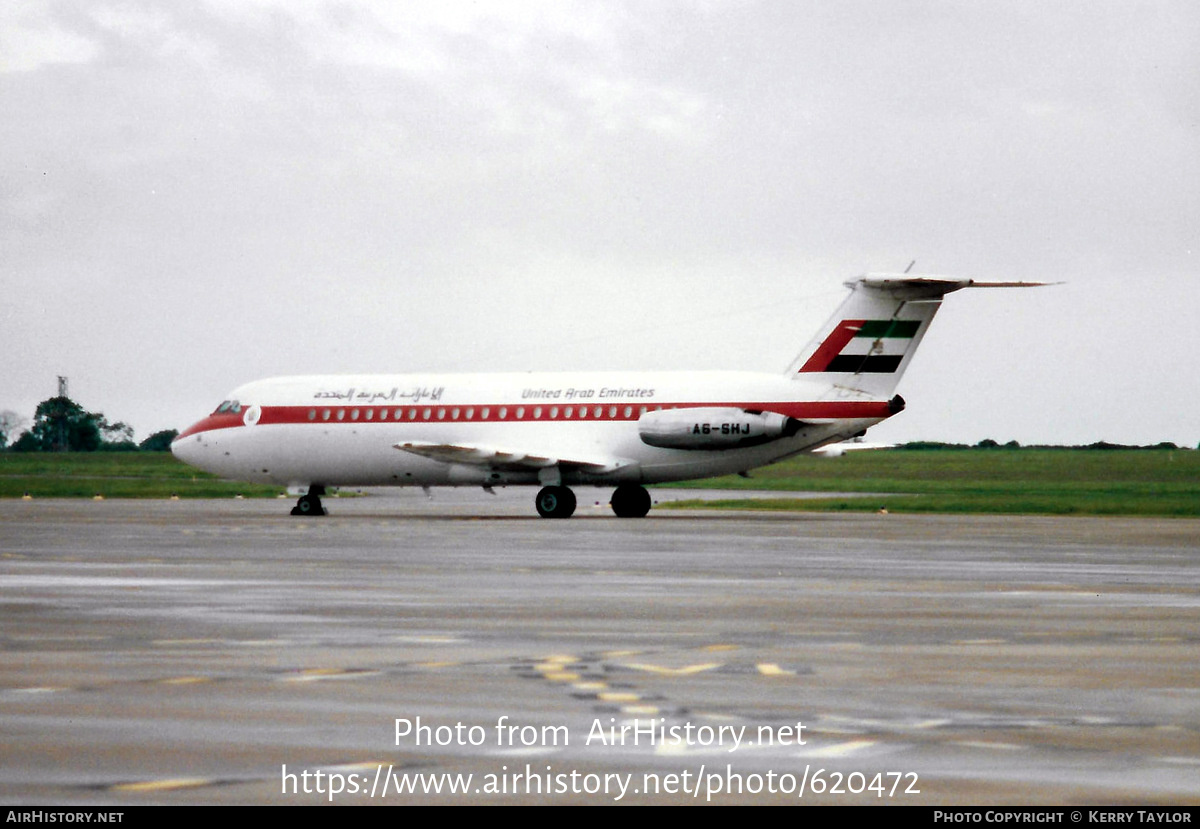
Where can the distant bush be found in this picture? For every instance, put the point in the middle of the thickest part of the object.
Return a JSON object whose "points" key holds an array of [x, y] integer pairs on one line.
{"points": [[159, 441], [118, 446], [988, 443], [923, 445]]}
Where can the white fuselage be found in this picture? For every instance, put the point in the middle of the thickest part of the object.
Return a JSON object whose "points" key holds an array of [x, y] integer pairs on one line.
{"points": [[351, 430]]}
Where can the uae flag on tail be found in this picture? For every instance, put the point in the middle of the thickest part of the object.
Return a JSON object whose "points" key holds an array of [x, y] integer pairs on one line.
{"points": [[863, 347]]}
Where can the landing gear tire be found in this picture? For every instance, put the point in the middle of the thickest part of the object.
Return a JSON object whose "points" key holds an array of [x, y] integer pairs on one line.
{"points": [[555, 502], [310, 504], [630, 501]]}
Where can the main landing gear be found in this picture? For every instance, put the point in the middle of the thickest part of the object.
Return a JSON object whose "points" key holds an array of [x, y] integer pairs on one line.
{"points": [[310, 504], [555, 502], [628, 501]]}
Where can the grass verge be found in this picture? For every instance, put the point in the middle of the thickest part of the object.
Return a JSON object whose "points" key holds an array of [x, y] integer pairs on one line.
{"points": [[114, 475], [1041, 481]]}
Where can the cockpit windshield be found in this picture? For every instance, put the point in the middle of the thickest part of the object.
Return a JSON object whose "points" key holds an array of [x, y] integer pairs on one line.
{"points": [[230, 406]]}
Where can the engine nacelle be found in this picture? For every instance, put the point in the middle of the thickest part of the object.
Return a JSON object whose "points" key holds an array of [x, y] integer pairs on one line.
{"points": [[713, 428]]}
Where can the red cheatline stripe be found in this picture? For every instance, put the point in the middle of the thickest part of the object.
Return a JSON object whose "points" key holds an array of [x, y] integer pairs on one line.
{"points": [[214, 421], [838, 339], [357, 415]]}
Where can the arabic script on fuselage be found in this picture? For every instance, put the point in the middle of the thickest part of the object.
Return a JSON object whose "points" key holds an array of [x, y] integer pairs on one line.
{"points": [[372, 396]]}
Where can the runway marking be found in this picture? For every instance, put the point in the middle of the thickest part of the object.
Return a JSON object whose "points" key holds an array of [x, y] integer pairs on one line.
{"points": [[318, 674], [640, 710], [838, 749], [185, 680], [983, 744], [1180, 761], [931, 723], [590, 686], [841, 725], [687, 670], [531, 751], [167, 785], [559, 676], [715, 648], [43, 689], [437, 664], [364, 765], [772, 669], [617, 696]]}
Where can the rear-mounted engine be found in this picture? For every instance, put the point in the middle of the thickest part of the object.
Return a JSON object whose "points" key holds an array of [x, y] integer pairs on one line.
{"points": [[713, 428]]}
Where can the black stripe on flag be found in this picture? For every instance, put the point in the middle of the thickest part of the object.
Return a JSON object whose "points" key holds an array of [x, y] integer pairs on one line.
{"points": [[864, 363]]}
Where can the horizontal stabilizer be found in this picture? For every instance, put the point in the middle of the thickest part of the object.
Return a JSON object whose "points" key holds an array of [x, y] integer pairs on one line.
{"points": [[901, 285]]}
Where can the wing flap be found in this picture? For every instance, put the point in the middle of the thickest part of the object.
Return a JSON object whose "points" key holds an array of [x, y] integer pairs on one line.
{"points": [[511, 460]]}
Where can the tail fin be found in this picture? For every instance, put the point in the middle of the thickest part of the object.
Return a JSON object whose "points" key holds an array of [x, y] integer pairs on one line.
{"points": [[871, 338]]}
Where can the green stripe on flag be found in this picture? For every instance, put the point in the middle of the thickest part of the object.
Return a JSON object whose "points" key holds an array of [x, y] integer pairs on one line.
{"points": [[889, 328]]}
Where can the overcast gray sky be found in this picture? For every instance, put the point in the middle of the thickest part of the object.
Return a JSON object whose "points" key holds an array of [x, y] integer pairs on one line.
{"points": [[195, 195]]}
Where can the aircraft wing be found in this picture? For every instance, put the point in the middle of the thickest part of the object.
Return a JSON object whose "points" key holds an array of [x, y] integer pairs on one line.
{"points": [[511, 460]]}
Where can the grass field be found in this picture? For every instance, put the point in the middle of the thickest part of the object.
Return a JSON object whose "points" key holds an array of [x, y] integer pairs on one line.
{"points": [[113, 475], [1044, 481]]}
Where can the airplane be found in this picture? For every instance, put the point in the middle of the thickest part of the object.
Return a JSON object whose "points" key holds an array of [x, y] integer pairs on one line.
{"points": [[563, 430]]}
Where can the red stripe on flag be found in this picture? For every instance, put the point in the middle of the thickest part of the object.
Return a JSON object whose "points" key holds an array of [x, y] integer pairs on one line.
{"points": [[838, 339]]}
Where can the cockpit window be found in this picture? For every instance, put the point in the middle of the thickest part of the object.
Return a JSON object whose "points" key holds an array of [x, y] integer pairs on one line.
{"points": [[231, 406]]}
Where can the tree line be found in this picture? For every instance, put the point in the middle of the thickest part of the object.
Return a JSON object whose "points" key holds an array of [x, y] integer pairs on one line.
{"points": [[62, 425]]}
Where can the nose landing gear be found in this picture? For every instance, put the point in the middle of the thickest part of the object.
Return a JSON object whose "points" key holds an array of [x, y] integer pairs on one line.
{"points": [[310, 504]]}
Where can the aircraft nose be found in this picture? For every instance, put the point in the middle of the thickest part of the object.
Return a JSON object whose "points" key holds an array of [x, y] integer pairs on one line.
{"points": [[185, 446]]}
